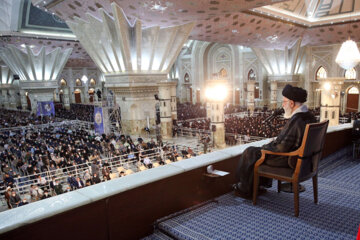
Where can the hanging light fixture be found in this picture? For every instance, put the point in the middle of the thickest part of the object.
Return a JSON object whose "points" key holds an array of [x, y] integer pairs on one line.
{"points": [[348, 55]]}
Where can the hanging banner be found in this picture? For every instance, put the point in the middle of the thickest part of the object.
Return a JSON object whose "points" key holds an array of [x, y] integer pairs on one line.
{"points": [[98, 120], [45, 109]]}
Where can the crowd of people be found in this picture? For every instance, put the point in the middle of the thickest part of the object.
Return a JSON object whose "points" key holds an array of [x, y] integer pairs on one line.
{"points": [[63, 152], [59, 158], [190, 111], [77, 111], [14, 118], [258, 124]]}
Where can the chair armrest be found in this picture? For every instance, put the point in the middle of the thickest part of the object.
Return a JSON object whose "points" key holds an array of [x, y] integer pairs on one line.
{"points": [[267, 152], [289, 154]]}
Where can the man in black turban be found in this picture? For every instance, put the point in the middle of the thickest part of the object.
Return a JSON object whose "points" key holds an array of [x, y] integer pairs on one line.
{"points": [[288, 140]]}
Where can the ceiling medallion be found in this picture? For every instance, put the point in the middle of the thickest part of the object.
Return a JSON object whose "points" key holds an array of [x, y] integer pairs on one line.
{"points": [[272, 39], [158, 5]]}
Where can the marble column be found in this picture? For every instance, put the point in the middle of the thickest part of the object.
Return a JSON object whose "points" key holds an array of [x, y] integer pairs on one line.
{"points": [[66, 98], [251, 96], [5, 98], [273, 95], [166, 123], [133, 60], [330, 100], [217, 124], [12, 98], [216, 92], [24, 104], [173, 102]]}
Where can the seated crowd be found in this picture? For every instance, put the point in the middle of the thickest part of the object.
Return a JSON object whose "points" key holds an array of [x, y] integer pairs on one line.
{"points": [[54, 159], [46, 157], [14, 118], [190, 111], [81, 112]]}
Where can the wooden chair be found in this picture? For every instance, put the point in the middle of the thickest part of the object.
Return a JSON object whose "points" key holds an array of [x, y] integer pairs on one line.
{"points": [[128, 172], [142, 168], [308, 156], [113, 175]]}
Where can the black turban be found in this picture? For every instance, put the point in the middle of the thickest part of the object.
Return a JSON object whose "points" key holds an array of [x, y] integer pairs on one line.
{"points": [[295, 94]]}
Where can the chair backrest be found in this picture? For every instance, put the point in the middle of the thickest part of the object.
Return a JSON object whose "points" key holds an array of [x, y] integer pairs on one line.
{"points": [[356, 130], [312, 146]]}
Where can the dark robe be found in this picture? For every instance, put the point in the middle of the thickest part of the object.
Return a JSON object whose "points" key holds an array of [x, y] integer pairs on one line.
{"points": [[288, 140]]}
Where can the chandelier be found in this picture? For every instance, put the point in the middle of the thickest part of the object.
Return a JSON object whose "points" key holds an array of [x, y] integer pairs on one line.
{"points": [[348, 55]]}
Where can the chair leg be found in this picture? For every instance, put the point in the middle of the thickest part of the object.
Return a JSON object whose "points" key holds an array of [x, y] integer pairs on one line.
{"points": [[279, 186], [296, 198], [256, 186], [315, 188]]}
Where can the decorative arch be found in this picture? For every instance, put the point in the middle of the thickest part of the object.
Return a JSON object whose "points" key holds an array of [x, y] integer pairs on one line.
{"points": [[63, 83], [92, 82], [251, 75], [321, 72], [352, 99], [78, 82], [353, 90], [350, 74], [223, 73], [247, 73], [186, 78]]}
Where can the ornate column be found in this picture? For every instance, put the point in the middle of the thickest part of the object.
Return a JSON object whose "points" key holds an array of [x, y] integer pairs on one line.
{"points": [[133, 60], [166, 122], [173, 101], [66, 98], [251, 96], [5, 98], [38, 72], [23, 98], [273, 95], [12, 98], [216, 92], [330, 99]]}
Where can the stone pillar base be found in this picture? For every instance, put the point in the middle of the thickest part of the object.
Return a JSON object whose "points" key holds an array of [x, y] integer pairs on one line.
{"points": [[135, 127], [219, 136], [331, 114], [166, 128]]}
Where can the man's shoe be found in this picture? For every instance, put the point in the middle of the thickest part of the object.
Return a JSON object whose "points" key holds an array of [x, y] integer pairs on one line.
{"points": [[240, 193], [261, 191]]}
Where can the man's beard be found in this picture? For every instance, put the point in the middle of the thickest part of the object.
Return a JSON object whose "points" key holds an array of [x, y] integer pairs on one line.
{"points": [[287, 113]]}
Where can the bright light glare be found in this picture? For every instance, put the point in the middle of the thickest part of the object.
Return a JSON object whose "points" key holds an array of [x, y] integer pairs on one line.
{"points": [[327, 86], [84, 79], [216, 93]]}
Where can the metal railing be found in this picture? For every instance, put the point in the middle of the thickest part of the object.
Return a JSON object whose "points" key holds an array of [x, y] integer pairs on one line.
{"points": [[116, 163]]}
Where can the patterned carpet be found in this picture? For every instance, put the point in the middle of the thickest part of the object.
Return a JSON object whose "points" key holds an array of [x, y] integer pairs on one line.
{"points": [[337, 216]]}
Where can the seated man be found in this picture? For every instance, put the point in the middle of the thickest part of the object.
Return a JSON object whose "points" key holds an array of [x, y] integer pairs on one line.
{"points": [[288, 140], [147, 162]]}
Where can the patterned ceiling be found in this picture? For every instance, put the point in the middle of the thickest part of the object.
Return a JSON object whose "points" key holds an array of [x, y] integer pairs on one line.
{"points": [[251, 23], [318, 11], [240, 22], [78, 56]]}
